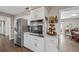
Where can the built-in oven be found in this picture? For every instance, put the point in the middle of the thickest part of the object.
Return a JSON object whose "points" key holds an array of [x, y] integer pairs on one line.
{"points": [[37, 27]]}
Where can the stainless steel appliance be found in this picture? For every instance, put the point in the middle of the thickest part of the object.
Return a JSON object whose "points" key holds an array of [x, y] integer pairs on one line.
{"points": [[21, 26], [37, 27]]}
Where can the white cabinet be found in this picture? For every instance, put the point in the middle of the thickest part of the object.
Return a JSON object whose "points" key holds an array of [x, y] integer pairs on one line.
{"points": [[37, 44], [51, 44], [40, 13], [37, 13], [27, 41], [40, 45], [33, 43], [28, 19], [32, 14]]}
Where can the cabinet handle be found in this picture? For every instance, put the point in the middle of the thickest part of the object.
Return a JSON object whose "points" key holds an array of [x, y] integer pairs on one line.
{"points": [[35, 39], [35, 44]]}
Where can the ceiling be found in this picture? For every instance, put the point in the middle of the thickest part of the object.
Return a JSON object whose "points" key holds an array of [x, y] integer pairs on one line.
{"points": [[12, 9], [15, 9], [70, 13], [18, 9]]}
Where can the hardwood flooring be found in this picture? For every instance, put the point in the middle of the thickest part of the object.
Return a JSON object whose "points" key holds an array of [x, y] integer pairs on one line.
{"points": [[8, 46], [69, 45]]}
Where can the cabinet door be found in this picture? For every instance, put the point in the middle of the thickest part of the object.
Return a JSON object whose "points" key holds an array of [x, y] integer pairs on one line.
{"points": [[33, 15], [40, 45], [28, 19], [51, 45], [26, 41], [40, 13], [37, 13], [32, 44], [37, 44]]}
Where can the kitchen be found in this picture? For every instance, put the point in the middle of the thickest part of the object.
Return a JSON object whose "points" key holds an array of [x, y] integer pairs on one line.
{"points": [[35, 28], [43, 38], [36, 38]]}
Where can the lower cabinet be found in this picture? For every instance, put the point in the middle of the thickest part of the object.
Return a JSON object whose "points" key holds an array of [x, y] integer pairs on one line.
{"points": [[27, 40], [33, 43], [51, 44], [37, 44]]}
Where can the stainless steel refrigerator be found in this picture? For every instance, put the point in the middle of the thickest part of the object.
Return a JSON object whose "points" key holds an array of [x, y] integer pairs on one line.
{"points": [[21, 27]]}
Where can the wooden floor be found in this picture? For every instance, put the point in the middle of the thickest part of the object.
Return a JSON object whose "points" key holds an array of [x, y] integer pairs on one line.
{"points": [[8, 46], [69, 45]]}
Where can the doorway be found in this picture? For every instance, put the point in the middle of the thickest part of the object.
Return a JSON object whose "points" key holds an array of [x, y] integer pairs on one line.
{"points": [[69, 36], [2, 27]]}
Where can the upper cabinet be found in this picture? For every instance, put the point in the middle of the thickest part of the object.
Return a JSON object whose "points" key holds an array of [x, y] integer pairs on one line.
{"points": [[28, 19], [37, 13]]}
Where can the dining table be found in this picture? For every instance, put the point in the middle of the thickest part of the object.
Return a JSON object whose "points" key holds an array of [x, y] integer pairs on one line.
{"points": [[76, 36]]}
